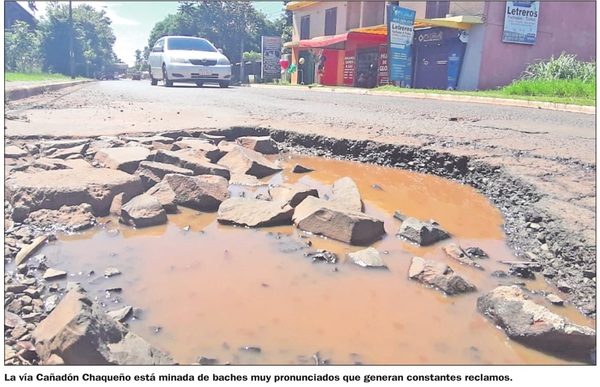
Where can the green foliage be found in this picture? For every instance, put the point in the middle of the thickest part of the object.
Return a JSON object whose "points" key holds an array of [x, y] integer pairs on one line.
{"points": [[566, 66], [22, 49], [573, 88], [93, 40], [34, 77], [252, 56]]}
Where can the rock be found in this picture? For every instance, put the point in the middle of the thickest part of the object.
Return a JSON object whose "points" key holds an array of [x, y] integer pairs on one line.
{"points": [[207, 360], [346, 194], [28, 192], [69, 152], [111, 271], [53, 274], [165, 195], [291, 194], [126, 159], [191, 161], [247, 161], [81, 333], [533, 325], [121, 314], [202, 193], [12, 320], [213, 138], [260, 144], [475, 252], [254, 213], [117, 203], [301, 169], [325, 218], [143, 211], [438, 275], [149, 140], [201, 148], [369, 257], [400, 216], [521, 270], [27, 250], [554, 299], [50, 303], [455, 252], [563, 286], [152, 172], [14, 152], [422, 233], [322, 255], [66, 218]]}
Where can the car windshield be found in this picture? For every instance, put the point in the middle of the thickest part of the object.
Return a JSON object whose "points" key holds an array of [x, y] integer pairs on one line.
{"points": [[189, 44]]}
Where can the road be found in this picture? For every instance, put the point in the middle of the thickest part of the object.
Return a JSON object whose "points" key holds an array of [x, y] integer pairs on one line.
{"points": [[554, 151]]}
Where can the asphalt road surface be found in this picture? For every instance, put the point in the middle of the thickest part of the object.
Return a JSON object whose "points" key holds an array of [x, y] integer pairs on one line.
{"points": [[553, 150]]}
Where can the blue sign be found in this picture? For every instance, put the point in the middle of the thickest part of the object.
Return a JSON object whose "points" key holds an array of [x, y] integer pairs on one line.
{"points": [[521, 22], [400, 37]]}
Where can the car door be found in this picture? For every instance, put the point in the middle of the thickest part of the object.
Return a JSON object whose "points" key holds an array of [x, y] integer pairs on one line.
{"points": [[155, 59]]}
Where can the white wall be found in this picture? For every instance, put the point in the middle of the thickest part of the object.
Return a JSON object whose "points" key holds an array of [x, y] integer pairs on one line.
{"points": [[469, 73], [317, 18]]}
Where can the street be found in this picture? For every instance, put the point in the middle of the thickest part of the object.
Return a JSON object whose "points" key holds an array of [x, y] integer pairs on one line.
{"points": [[536, 166]]}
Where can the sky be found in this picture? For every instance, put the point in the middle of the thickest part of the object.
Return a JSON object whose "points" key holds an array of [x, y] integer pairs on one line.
{"points": [[132, 21]]}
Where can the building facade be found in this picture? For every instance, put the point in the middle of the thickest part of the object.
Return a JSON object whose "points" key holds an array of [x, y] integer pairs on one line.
{"points": [[457, 45]]}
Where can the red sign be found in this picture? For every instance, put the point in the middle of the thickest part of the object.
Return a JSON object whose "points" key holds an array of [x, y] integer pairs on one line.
{"points": [[349, 68], [382, 69]]}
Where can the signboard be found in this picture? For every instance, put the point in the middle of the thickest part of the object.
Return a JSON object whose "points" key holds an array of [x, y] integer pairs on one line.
{"points": [[382, 67], [400, 36], [521, 21], [349, 67], [271, 54]]}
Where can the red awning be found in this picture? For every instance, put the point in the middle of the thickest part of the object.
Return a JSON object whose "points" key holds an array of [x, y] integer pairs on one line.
{"points": [[331, 42]]}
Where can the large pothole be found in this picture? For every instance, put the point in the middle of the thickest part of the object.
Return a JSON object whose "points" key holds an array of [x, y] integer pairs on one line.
{"points": [[235, 295]]}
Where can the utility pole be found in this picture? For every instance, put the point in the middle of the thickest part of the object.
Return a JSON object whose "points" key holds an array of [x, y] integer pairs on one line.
{"points": [[242, 62], [71, 53]]}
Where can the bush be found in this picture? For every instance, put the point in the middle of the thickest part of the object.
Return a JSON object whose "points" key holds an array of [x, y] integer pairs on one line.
{"points": [[566, 66], [21, 49]]}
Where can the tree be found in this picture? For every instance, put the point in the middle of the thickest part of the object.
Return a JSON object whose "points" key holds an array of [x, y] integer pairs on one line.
{"points": [[93, 39], [21, 49]]}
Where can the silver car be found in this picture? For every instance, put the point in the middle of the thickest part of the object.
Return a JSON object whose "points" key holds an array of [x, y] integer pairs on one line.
{"points": [[188, 59]]}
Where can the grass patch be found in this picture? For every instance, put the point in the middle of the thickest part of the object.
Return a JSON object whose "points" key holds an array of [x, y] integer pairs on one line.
{"points": [[22, 77], [562, 92]]}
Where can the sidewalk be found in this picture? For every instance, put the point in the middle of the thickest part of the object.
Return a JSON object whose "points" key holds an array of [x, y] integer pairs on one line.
{"points": [[18, 90], [445, 97]]}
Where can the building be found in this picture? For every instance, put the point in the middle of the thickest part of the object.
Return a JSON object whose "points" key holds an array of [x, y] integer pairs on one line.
{"points": [[458, 45], [14, 12]]}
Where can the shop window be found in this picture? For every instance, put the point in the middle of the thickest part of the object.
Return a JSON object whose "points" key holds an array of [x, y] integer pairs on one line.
{"points": [[435, 9], [305, 27], [330, 21]]}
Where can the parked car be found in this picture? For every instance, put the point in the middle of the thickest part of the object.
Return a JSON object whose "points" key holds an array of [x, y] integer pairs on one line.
{"points": [[137, 76], [188, 59]]}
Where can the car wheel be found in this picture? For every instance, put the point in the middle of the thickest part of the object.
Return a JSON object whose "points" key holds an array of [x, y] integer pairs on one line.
{"points": [[224, 84], [153, 81], [166, 80], [199, 84]]}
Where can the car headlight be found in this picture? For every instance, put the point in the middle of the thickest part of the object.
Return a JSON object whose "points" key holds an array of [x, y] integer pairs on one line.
{"points": [[178, 60], [223, 61]]}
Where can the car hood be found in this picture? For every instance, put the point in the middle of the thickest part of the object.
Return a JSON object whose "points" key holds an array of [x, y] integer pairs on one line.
{"points": [[187, 54]]}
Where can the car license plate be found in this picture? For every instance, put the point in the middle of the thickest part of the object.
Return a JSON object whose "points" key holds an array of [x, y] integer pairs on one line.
{"points": [[204, 72]]}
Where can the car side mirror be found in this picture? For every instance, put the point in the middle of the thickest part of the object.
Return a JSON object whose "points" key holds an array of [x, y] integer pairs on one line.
{"points": [[157, 49], [220, 50]]}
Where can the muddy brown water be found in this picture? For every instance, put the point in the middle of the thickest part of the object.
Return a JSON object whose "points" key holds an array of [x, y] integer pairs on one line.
{"points": [[206, 289]]}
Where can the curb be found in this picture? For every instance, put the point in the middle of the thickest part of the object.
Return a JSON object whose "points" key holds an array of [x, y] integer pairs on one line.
{"points": [[29, 91], [452, 98]]}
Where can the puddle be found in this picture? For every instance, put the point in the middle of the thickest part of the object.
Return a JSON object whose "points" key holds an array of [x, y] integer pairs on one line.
{"points": [[206, 289]]}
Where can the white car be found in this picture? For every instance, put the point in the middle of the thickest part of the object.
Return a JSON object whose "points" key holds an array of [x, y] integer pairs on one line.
{"points": [[188, 59]]}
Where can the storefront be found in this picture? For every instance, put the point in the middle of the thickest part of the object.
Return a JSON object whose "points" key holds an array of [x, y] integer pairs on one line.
{"points": [[437, 58], [338, 60]]}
